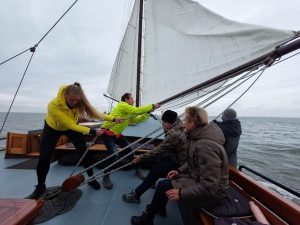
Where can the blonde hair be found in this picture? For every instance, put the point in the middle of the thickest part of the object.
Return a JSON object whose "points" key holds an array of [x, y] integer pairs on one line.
{"points": [[197, 115], [85, 108]]}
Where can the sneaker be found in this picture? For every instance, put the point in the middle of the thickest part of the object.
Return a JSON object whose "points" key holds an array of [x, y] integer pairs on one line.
{"points": [[39, 190], [107, 182], [131, 197], [94, 184]]}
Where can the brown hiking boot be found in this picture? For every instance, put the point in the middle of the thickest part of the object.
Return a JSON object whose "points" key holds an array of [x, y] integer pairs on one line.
{"points": [[107, 182]]}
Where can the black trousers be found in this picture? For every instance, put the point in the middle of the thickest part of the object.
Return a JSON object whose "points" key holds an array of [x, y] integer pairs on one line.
{"points": [[159, 170], [160, 199], [110, 143], [49, 140]]}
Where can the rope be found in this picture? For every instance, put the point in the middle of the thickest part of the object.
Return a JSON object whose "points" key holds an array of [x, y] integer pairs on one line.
{"points": [[93, 142], [134, 150], [99, 174], [245, 90], [33, 51], [121, 150], [95, 176]]}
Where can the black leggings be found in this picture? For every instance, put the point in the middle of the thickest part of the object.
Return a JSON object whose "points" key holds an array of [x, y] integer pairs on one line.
{"points": [[49, 140]]}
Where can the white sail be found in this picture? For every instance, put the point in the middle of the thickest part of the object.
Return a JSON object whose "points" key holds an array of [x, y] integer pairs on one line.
{"points": [[123, 76], [186, 44]]}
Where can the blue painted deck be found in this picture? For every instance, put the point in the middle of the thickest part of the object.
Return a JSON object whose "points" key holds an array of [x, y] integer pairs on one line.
{"points": [[96, 207]]}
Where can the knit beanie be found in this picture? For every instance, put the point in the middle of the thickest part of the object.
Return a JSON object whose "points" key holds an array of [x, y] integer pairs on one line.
{"points": [[169, 116], [229, 114]]}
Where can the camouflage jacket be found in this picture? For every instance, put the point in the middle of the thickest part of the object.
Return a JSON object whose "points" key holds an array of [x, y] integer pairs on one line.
{"points": [[173, 144]]}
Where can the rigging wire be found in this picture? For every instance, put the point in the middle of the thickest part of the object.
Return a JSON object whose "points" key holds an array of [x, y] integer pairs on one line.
{"points": [[221, 87], [36, 45], [14, 56], [21, 81], [32, 49]]}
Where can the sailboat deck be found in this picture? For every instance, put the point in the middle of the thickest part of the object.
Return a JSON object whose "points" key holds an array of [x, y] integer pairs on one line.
{"points": [[103, 207]]}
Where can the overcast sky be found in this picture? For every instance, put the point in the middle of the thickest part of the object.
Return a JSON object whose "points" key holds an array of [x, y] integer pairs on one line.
{"points": [[83, 46]]}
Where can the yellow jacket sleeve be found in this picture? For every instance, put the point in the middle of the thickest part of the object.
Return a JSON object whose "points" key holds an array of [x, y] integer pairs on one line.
{"points": [[132, 110]]}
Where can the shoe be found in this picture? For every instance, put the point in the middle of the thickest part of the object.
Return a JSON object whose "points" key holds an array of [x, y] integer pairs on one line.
{"points": [[94, 184], [107, 182], [39, 190], [131, 198], [141, 220], [139, 174]]}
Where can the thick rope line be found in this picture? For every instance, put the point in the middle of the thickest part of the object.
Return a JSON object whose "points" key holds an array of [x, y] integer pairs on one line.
{"points": [[16, 91], [93, 142], [121, 150], [134, 150], [99, 174], [95, 176]]}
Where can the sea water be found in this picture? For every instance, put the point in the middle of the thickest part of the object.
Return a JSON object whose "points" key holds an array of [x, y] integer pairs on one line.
{"points": [[268, 145]]}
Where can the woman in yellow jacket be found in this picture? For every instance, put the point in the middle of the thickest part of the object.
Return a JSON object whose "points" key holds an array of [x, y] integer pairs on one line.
{"points": [[61, 119]]}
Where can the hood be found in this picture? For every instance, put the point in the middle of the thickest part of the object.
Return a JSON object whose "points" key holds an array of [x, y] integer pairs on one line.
{"points": [[210, 131], [60, 98]]}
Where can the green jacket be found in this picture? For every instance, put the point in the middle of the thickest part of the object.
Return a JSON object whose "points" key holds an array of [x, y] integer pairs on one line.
{"points": [[124, 110], [60, 117]]}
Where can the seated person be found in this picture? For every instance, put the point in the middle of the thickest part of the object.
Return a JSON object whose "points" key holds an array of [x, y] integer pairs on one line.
{"points": [[202, 181], [172, 153]]}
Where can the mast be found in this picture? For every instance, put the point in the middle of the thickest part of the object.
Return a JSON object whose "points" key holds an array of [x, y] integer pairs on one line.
{"points": [[139, 54], [277, 53]]}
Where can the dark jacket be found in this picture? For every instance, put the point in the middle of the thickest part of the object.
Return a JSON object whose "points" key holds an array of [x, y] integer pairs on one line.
{"points": [[204, 178], [173, 145], [232, 131]]}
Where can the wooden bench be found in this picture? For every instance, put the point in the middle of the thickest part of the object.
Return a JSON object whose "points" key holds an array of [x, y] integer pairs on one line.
{"points": [[19, 211]]}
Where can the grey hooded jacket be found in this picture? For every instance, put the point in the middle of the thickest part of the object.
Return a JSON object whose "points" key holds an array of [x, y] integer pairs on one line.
{"points": [[203, 180]]}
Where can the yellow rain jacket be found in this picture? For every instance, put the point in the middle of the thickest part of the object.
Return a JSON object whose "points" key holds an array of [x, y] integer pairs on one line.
{"points": [[124, 110], [60, 117]]}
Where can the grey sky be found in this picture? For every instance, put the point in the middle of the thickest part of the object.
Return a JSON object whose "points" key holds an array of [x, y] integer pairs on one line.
{"points": [[83, 46]]}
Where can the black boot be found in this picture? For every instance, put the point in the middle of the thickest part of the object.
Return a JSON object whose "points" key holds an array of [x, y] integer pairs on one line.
{"points": [[39, 190], [94, 184], [145, 219]]}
